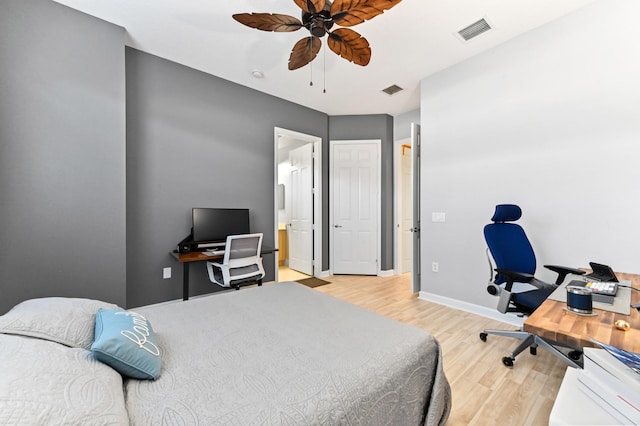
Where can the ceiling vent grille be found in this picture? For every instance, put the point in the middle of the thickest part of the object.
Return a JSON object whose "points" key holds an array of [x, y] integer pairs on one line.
{"points": [[474, 29], [393, 89]]}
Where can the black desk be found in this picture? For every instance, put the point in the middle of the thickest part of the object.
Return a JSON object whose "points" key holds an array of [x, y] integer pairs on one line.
{"points": [[199, 256]]}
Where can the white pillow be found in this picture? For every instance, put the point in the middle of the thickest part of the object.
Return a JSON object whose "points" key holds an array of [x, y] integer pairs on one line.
{"points": [[69, 321]]}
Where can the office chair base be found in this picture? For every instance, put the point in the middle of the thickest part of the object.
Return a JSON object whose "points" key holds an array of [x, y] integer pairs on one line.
{"points": [[237, 285], [532, 342], [516, 334], [575, 355]]}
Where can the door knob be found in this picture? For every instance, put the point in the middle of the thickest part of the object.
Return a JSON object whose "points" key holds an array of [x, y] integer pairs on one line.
{"points": [[337, 226]]}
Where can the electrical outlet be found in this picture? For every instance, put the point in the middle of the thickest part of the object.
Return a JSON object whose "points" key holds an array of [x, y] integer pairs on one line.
{"points": [[434, 266], [166, 273]]}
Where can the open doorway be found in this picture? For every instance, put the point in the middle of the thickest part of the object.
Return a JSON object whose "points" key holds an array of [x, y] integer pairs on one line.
{"points": [[297, 204], [407, 206], [403, 203]]}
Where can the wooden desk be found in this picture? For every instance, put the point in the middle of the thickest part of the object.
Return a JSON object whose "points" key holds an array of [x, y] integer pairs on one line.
{"points": [[553, 322], [199, 256]]}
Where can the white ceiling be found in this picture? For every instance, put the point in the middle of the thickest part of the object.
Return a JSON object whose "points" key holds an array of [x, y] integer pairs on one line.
{"points": [[411, 41]]}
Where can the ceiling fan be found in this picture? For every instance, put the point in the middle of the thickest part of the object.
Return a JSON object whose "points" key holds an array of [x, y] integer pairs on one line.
{"points": [[319, 17]]}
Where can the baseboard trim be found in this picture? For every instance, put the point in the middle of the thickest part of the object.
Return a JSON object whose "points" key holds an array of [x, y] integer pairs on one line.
{"points": [[471, 308], [324, 274], [387, 273]]}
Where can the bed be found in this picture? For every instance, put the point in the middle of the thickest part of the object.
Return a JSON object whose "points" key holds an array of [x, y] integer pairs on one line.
{"points": [[277, 354]]}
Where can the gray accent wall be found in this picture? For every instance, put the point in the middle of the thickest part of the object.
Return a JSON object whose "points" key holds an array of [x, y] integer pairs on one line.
{"points": [[402, 124], [354, 127], [104, 150], [62, 154], [195, 140]]}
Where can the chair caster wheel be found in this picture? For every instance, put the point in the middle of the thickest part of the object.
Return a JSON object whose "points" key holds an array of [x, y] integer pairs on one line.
{"points": [[533, 351], [483, 337], [575, 355], [508, 361]]}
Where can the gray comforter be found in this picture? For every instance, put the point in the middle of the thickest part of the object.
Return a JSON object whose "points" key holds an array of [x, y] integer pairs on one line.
{"points": [[286, 354]]}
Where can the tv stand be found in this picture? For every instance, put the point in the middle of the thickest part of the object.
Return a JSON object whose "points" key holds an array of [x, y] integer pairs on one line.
{"points": [[187, 245], [208, 245]]}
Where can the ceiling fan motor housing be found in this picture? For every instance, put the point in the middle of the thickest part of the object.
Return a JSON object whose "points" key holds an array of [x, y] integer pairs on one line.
{"points": [[320, 22]]}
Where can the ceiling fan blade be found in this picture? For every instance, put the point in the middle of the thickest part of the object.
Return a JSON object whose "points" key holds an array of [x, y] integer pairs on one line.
{"points": [[310, 6], [348, 13], [304, 52], [350, 45], [269, 21]]}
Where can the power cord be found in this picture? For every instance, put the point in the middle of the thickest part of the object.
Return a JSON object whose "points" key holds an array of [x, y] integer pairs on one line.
{"points": [[633, 305], [628, 286]]}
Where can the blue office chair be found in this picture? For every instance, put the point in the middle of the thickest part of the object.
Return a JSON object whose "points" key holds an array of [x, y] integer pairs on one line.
{"points": [[515, 262]]}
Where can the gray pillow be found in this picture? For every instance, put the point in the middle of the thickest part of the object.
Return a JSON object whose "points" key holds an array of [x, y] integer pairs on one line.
{"points": [[69, 321], [45, 383]]}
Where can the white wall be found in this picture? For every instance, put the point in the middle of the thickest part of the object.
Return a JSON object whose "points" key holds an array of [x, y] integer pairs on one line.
{"points": [[549, 121]]}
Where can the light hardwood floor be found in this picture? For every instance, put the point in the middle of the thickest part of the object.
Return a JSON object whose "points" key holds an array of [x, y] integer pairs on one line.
{"points": [[287, 274], [485, 392]]}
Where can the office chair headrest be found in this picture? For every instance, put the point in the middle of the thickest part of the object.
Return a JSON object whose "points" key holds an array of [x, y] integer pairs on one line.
{"points": [[506, 213]]}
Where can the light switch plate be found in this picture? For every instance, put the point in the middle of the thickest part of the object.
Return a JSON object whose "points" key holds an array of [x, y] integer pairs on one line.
{"points": [[438, 217]]}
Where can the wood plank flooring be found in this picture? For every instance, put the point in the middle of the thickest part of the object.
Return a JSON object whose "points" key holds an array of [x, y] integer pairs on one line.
{"points": [[485, 392]]}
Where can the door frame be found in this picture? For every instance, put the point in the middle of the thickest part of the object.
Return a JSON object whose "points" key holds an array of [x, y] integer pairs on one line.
{"points": [[378, 143], [397, 209], [317, 193], [416, 155]]}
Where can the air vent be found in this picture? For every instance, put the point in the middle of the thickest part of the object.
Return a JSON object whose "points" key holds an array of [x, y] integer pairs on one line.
{"points": [[393, 89], [474, 30]]}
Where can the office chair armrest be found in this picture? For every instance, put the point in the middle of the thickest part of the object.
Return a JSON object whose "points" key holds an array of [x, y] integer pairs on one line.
{"points": [[514, 276], [563, 271], [520, 277]]}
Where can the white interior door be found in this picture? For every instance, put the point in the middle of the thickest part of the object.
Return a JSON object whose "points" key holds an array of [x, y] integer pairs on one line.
{"points": [[355, 206], [301, 225], [415, 170], [406, 210]]}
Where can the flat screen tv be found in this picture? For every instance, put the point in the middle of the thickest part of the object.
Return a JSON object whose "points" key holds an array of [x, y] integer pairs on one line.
{"points": [[214, 225]]}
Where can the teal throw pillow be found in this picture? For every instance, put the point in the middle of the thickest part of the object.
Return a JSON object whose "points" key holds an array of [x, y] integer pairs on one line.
{"points": [[125, 341]]}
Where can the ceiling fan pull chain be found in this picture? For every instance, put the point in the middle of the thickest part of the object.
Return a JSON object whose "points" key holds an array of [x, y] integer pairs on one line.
{"points": [[324, 70], [310, 73]]}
